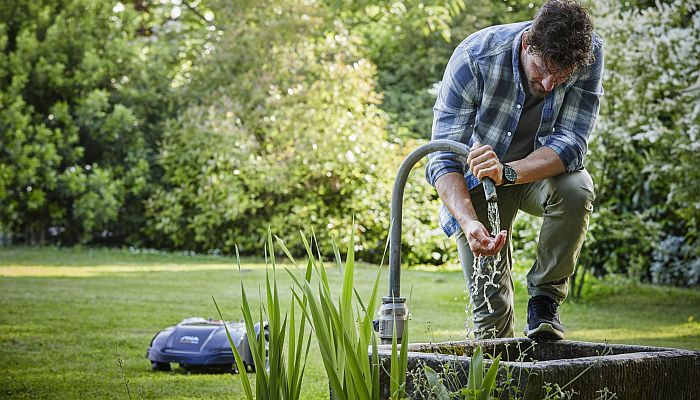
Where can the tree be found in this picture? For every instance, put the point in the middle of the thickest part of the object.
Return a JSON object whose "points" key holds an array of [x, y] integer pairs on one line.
{"points": [[84, 87], [291, 136]]}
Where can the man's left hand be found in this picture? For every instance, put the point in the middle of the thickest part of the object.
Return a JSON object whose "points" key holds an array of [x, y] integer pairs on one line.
{"points": [[483, 162]]}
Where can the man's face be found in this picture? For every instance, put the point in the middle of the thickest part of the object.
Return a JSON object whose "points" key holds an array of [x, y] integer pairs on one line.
{"points": [[542, 77]]}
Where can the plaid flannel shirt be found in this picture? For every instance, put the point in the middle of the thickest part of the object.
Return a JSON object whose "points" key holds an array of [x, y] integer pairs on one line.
{"points": [[481, 97]]}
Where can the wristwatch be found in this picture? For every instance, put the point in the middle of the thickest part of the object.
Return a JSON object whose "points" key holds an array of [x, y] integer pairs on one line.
{"points": [[509, 175]]}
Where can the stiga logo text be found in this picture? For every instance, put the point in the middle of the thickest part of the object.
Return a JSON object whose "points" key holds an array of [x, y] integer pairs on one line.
{"points": [[189, 339]]}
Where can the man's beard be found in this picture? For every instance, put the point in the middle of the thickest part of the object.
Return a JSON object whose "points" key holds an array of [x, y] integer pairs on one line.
{"points": [[536, 89]]}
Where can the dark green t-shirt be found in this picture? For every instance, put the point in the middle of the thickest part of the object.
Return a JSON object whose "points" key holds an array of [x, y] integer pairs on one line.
{"points": [[523, 142]]}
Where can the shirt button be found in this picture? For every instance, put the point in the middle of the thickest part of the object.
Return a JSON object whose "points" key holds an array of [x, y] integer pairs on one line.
{"points": [[509, 133], [518, 106]]}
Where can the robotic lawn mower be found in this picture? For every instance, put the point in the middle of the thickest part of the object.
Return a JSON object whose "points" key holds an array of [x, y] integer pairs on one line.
{"points": [[198, 343]]}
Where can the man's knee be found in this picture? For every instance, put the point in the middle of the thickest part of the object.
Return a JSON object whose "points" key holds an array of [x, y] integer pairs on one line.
{"points": [[493, 317], [574, 191]]}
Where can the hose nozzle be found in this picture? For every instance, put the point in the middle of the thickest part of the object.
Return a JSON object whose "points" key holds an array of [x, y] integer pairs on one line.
{"points": [[490, 190]]}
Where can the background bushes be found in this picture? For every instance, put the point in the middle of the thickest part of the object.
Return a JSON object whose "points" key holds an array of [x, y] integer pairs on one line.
{"points": [[195, 127], [647, 206]]}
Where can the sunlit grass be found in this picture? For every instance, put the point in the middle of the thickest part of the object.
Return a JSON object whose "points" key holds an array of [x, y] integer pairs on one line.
{"points": [[74, 272], [59, 332]]}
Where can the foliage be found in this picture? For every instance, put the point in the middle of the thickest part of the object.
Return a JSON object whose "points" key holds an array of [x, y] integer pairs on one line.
{"points": [[309, 146], [275, 376], [84, 85], [411, 41], [620, 243], [193, 125], [673, 262], [343, 337], [650, 116], [480, 385]]}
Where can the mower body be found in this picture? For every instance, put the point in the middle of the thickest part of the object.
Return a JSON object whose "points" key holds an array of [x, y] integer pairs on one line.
{"points": [[202, 343]]}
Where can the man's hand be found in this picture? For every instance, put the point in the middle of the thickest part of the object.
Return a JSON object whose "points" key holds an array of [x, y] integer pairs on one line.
{"points": [[480, 241], [453, 192], [483, 162]]}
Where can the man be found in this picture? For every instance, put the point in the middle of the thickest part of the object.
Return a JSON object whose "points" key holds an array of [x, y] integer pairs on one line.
{"points": [[525, 98]]}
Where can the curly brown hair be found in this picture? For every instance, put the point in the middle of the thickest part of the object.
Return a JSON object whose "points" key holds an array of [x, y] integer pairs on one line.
{"points": [[562, 34]]}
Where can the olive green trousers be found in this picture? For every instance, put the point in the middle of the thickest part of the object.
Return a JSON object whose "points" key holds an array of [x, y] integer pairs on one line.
{"points": [[565, 203]]}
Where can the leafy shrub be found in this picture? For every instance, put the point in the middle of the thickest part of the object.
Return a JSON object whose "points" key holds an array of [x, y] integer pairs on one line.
{"points": [[84, 86], [294, 138], [643, 154], [674, 262]]}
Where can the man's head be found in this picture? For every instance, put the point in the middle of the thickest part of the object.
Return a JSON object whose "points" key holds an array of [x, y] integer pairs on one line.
{"points": [[558, 42]]}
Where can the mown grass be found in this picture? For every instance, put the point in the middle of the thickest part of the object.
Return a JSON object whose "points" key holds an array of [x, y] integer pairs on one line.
{"points": [[64, 314]]}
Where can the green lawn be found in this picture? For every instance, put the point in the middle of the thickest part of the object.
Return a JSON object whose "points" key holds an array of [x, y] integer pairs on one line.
{"points": [[65, 313]]}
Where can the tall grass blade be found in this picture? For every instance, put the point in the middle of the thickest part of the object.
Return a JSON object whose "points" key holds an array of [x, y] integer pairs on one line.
{"points": [[319, 257], [237, 356], [336, 252], [280, 242], [403, 361], [435, 384], [375, 367], [320, 326], [344, 334], [357, 381], [291, 350]]}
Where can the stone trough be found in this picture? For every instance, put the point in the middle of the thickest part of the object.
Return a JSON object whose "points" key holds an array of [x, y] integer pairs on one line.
{"points": [[631, 372]]}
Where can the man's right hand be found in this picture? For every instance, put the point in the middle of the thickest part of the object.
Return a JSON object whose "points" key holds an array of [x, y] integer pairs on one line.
{"points": [[453, 192], [480, 241]]}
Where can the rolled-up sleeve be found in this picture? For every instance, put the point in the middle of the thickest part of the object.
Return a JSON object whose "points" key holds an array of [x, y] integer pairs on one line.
{"points": [[578, 114], [453, 114]]}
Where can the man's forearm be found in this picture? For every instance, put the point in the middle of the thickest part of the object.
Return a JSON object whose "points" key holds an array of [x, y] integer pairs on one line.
{"points": [[453, 192], [541, 164]]}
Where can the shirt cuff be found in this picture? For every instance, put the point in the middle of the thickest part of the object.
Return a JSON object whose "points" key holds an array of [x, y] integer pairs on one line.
{"points": [[432, 174], [568, 150]]}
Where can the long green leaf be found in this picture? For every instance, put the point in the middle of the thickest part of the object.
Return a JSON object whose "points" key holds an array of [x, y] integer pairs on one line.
{"points": [[258, 346], [476, 371], [353, 362], [348, 279], [297, 395], [285, 250], [375, 367], [291, 351], [318, 321], [403, 361], [490, 379], [366, 326], [261, 373], [435, 384], [394, 367], [261, 379], [296, 342], [343, 333], [237, 356], [399, 362]]}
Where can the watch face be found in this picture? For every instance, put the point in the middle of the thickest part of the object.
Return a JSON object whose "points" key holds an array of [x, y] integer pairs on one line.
{"points": [[509, 174]]}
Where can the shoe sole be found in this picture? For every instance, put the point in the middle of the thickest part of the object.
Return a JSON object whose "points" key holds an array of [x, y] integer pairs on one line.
{"points": [[544, 332]]}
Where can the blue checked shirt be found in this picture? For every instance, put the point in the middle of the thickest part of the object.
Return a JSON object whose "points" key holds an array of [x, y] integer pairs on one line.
{"points": [[481, 97]]}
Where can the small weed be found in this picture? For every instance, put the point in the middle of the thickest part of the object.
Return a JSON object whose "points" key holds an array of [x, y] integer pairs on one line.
{"points": [[125, 379]]}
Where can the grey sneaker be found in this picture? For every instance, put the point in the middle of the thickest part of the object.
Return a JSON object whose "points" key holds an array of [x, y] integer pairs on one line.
{"points": [[543, 319]]}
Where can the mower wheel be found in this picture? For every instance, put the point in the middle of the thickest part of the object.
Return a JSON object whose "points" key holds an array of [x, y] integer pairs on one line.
{"points": [[159, 366]]}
